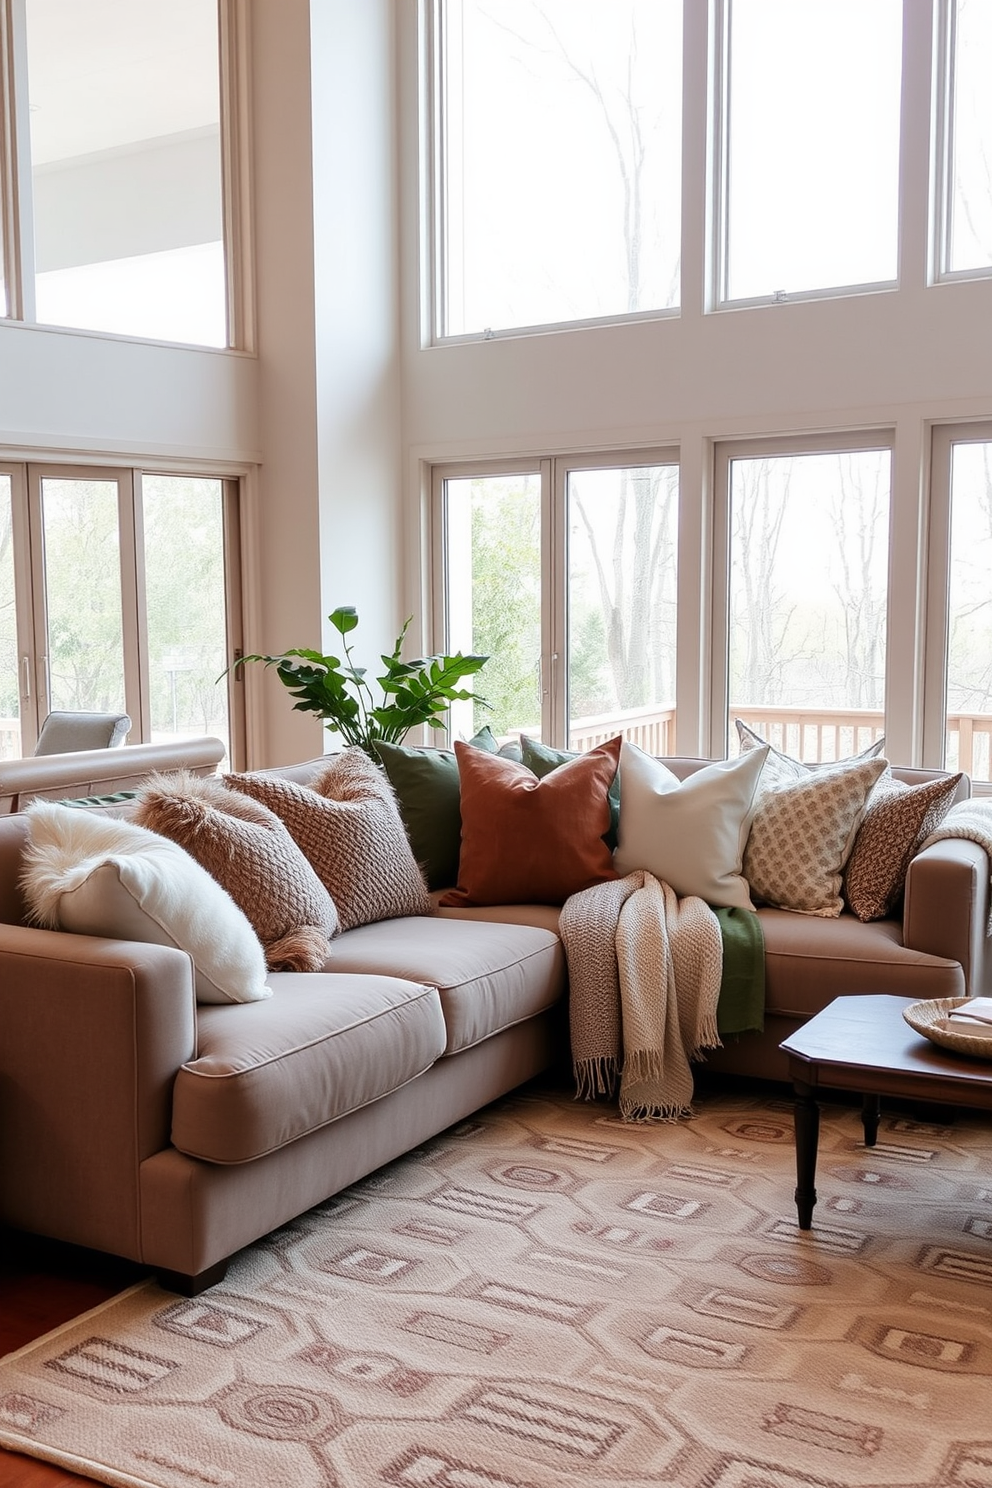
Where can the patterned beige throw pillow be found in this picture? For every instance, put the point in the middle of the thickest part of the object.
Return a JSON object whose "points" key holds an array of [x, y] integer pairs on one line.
{"points": [[897, 820], [802, 835], [780, 768], [248, 851], [348, 826]]}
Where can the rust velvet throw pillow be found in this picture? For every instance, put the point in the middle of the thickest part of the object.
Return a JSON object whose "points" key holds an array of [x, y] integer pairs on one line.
{"points": [[531, 841]]}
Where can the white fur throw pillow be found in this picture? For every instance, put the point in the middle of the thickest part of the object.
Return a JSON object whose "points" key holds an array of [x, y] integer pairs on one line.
{"points": [[100, 875], [349, 827]]}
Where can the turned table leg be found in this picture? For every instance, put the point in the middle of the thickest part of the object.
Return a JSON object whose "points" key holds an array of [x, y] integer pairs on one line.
{"points": [[870, 1108], [807, 1119]]}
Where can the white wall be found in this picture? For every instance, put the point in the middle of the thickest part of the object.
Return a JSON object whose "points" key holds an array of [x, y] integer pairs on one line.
{"points": [[357, 316], [325, 510]]}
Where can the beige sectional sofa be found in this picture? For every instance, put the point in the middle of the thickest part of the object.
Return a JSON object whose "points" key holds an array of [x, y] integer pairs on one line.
{"points": [[135, 1121]]}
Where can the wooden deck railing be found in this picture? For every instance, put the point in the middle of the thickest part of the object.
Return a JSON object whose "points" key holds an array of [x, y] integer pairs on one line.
{"points": [[10, 738], [813, 735]]}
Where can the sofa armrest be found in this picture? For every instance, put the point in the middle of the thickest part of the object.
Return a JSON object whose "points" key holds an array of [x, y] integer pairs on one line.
{"points": [[946, 907], [93, 1033]]}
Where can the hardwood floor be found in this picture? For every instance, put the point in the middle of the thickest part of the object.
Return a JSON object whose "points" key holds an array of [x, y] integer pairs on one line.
{"points": [[43, 1284]]}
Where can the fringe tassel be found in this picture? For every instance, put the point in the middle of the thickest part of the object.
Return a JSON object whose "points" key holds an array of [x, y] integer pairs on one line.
{"points": [[595, 1077], [633, 1111], [644, 1064], [709, 1038]]}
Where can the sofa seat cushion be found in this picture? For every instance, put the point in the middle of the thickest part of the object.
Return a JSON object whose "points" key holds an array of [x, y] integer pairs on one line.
{"points": [[490, 975], [810, 961], [323, 1045]]}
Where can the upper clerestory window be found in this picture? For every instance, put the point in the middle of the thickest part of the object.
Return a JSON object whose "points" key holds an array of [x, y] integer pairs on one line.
{"points": [[965, 153], [558, 162], [808, 180]]}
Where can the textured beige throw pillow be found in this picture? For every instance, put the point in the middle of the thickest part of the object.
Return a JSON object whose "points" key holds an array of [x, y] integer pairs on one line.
{"points": [[348, 826], [247, 849], [802, 835], [899, 817]]}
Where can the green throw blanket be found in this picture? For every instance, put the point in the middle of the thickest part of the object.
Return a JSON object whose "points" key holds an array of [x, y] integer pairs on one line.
{"points": [[741, 1008]]}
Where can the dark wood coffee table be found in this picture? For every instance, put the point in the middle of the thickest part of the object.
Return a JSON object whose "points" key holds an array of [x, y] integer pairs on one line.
{"points": [[864, 1044]]}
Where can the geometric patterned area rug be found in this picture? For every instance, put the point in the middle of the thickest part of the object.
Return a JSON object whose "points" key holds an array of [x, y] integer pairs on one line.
{"points": [[545, 1296]]}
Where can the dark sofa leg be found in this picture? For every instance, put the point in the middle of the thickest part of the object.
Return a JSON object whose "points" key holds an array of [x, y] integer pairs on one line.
{"points": [[191, 1286]]}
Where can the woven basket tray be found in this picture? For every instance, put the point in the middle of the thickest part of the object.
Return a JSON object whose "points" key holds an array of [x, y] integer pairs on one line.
{"points": [[928, 1018]]}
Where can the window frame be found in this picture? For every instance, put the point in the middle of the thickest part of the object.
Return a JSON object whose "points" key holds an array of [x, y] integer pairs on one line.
{"points": [[433, 95], [30, 593], [944, 437], [725, 453], [944, 49], [720, 111], [16, 211], [554, 471]]}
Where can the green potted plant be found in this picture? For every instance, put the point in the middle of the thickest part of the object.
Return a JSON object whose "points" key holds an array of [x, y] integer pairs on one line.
{"points": [[412, 692]]}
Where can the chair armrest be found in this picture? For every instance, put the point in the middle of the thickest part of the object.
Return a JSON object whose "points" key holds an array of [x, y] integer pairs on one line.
{"points": [[93, 1033], [946, 907]]}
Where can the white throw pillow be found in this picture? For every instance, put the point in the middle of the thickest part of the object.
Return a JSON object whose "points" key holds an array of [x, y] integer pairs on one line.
{"points": [[688, 833], [101, 875]]}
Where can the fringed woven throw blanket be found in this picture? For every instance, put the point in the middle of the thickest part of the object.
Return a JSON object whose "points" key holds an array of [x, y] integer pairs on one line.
{"points": [[644, 970]]}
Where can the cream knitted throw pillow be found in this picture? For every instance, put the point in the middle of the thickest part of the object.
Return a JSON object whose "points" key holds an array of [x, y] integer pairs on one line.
{"points": [[349, 828], [247, 849]]}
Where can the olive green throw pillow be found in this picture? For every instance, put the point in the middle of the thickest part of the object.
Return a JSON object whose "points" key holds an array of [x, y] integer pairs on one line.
{"points": [[541, 759], [425, 783]]}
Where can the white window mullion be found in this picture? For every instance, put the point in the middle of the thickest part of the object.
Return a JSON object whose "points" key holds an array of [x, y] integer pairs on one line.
{"points": [[20, 565], [39, 679], [937, 598], [234, 616], [554, 649], [15, 164], [235, 126], [134, 606], [917, 142]]}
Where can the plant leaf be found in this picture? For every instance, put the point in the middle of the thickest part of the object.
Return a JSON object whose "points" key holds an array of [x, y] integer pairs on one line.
{"points": [[344, 619]]}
